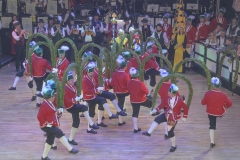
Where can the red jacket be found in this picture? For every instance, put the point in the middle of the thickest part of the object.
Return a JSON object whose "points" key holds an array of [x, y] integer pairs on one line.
{"points": [[163, 91], [84, 70], [134, 62], [48, 114], [151, 63], [217, 102], [202, 31], [39, 67], [215, 21], [129, 65], [89, 87], [175, 113], [27, 72], [69, 96], [120, 81], [155, 49], [137, 90], [62, 66], [105, 83], [191, 34], [168, 30]]}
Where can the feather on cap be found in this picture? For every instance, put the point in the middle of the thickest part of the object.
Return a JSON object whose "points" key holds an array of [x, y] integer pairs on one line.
{"points": [[72, 14], [91, 65], [60, 18], [163, 73], [173, 88], [131, 29], [65, 48]]}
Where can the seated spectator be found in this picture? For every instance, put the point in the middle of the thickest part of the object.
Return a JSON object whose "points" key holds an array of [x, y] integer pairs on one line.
{"points": [[211, 40], [221, 40], [218, 29], [229, 46]]}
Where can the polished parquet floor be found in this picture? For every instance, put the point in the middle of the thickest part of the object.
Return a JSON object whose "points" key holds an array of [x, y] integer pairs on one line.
{"points": [[22, 139]]}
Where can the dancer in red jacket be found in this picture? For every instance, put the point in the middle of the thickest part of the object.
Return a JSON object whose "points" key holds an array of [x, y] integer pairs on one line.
{"points": [[133, 60], [138, 96], [96, 95], [48, 117], [201, 30], [219, 19], [119, 82], [25, 72], [216, 104], [39, 68], [151, 69], [172, 114], [62, 62], [127, 57]]}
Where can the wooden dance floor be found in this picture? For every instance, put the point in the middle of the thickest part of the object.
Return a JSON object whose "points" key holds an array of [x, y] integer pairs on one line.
{"points": [[22, 139]]}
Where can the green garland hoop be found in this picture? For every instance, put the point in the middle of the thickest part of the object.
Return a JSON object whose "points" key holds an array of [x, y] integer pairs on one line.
{"points": [[235, 79], [105, 53], [208, 75], [77, 59], [29, 54], [84, 47], [60, 96], [173, 76]]}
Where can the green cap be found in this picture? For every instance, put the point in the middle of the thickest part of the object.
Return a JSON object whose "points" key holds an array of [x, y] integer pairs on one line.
{"points": [[48, 92], [52, 84], [126, 55], [39, 51], [123, 64], [70, 75], [202, 16], [137, 49], [61, 51], [89, 69], [173, 89], [134, 72]]}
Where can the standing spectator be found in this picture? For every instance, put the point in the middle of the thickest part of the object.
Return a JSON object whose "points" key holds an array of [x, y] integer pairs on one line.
{"points": [[202, 30], [233, 29], [221, 39], [219, 19], [146, 29]]}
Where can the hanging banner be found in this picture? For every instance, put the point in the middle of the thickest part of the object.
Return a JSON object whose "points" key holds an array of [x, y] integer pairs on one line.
{"points": [[31, 8], [27, 24], [6, 21], [12, 6], [52, 7]]}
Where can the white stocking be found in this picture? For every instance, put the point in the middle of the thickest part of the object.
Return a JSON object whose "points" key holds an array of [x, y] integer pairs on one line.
{"points": [[99, 116], [134, 119], [46, 150], [86, 115], [152, 127], [38, 99], [64, 141], [44, 84], [120, 119], [165, 128], [16, 81], [105, 106], [211, 132], [173, 141], [73, 131], [114, 102]]}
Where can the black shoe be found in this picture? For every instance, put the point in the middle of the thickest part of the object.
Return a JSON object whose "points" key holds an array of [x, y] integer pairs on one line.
{"points": [[121, 113], [94, 126], [74, 151], [152, 91], [166, 136], [212, 145], [82, 115], [146, 134], [113, 116], [39, 95], [102, 124], [121, 124], [54, 148], [149, 97], [155, 114], [91, 131], [33, 98], [172, 149], [136, 131], [103, 118], [12, 88], [73, 142], [46, 158], [124, 110], [38, 105]]}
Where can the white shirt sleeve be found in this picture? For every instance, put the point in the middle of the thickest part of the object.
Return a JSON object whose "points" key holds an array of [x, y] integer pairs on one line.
{"points": [[45, 2], [140, 28], [68, 30], [35, 30], [153, 36], [235, 34], [152, 29], [94, 30], [46, 30], [165, 38], [15, 36], [101, 27], [227, 33], [106, 28], [77, 28], [52, 32], [63, 32], [82, 30]]}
